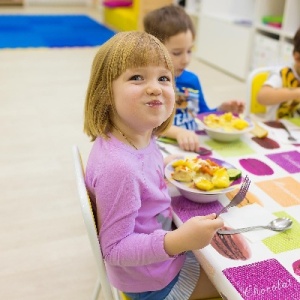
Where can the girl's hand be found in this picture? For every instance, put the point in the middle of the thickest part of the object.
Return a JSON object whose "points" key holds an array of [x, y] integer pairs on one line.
{"points": [[234, 106], [194, 234]]}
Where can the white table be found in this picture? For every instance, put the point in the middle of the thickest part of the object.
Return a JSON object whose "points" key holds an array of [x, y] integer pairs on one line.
{"points": [[270, 268]]}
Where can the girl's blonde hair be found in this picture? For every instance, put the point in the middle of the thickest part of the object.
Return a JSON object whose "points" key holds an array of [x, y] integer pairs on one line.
{"points": [[123, 51]]}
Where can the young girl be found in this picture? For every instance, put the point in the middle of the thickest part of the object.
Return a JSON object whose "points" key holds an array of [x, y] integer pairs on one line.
{"points": [[175, 29], [130, 100]]}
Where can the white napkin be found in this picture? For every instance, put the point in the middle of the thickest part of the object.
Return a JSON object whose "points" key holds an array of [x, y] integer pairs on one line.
{"points": [[250, 215]]}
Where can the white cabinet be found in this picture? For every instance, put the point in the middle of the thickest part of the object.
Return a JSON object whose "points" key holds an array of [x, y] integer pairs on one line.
{"points": [[224, 35], [286, 51], [274, 41], [232, 36], [227, 45], [265, 51]]}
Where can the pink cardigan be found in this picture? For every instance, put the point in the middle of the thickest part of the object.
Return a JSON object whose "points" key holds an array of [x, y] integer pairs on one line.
{"points": [[127, 187]]}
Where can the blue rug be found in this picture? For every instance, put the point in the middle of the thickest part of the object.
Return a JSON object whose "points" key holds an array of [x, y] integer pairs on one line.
{"points": [[24, 31]]}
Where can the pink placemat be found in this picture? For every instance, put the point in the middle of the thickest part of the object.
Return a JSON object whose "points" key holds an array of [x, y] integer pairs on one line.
{"points": [[266, 142], [264, 280], [289, 161], [186, 209], [256, 167]]}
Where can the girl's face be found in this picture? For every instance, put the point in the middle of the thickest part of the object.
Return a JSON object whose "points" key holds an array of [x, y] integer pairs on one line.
{"points": [[144, 98], [180, 47]]}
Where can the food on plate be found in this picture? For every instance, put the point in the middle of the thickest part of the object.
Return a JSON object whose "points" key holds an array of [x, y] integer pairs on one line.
{"points": [[203, 174], [234, 173], [183, 174], [220, 178], [227, 121], [231, 246], [203, 184]]}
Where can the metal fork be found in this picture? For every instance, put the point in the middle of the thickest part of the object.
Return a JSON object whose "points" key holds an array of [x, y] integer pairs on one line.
{"points": [[239, 197]]}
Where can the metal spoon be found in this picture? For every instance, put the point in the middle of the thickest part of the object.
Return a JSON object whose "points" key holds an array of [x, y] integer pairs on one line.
{"points": [[290, 136], [279, 224], [278, 124]]}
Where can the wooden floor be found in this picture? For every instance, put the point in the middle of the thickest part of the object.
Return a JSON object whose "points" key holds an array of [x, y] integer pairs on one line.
{"points": [[44, 249]]}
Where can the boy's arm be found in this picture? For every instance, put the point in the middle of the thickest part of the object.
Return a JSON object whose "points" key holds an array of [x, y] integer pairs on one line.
{"points": [[269, 95]]}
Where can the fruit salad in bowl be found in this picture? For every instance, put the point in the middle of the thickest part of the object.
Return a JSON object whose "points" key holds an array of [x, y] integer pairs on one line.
{"points": [[224, 127], [202, 180]]}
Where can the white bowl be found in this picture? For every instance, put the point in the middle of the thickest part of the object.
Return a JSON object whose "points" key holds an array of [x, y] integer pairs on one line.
{"points": [[222, 135], [194, 194], [198, 197]]}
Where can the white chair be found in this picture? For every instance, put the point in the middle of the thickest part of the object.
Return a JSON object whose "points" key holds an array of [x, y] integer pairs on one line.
{"points": [[108, 291]]}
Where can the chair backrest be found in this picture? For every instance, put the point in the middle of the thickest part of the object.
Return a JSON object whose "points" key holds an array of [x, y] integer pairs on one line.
{"points": [[109, 292], [255, 80]]}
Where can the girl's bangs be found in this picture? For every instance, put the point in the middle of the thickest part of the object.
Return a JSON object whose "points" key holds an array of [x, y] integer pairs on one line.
{"points": [[149, 56], [142, 54]]}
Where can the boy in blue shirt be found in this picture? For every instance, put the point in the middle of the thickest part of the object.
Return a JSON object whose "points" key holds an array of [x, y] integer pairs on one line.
{"points": [[175, 29]]}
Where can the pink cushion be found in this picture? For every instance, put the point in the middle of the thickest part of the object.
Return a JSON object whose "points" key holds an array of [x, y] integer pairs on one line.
{"points": [[117, 3]]}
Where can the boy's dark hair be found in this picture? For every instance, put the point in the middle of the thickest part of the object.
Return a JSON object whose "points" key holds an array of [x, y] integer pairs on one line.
{"points": [[168, 21], [297, 41]]}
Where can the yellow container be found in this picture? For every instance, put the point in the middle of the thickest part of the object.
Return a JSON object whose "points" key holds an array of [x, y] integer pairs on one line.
{"points": [[131, 17]]}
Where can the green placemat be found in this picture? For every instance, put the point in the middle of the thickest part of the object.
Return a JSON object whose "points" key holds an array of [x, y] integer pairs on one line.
{"points": [[236, 148], [286, 240], [167, 140]]}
